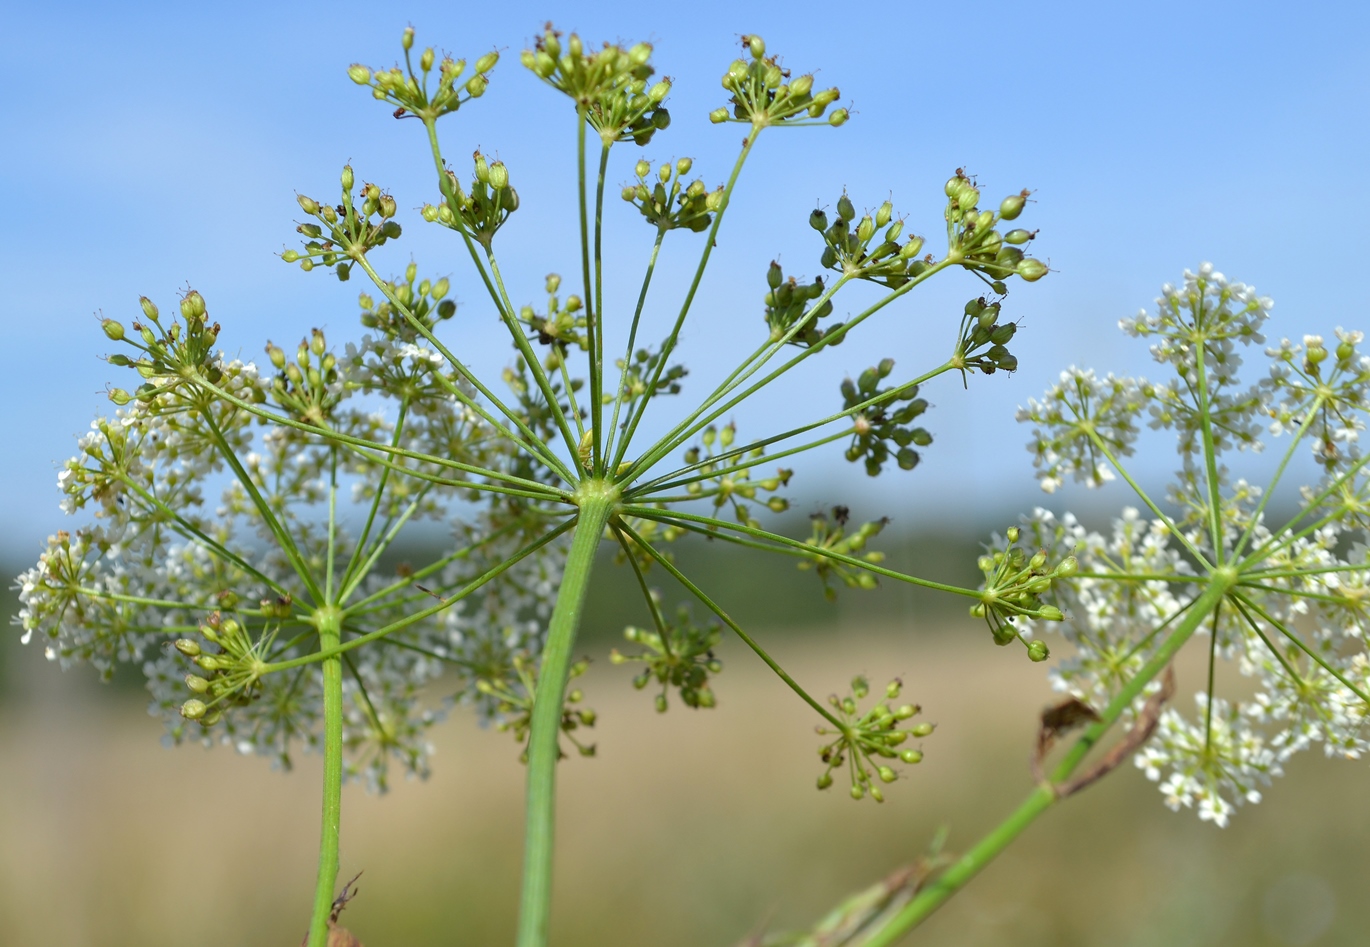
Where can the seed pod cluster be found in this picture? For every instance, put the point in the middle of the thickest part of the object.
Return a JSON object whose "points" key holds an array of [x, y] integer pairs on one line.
{"points": [[881, 429]]}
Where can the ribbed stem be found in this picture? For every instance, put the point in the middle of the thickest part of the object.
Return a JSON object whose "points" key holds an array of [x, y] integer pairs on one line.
{"points": [[330, 635], [597, 503]]}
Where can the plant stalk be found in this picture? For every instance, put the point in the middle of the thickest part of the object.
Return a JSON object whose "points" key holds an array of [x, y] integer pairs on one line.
{"points": [[597, 503], [330, 634]]}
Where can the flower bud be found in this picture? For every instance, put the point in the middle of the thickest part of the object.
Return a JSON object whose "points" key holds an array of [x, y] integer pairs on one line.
{"points": [[193, 709], [1031, 270], [359, 74], [1037, 650], [487, 62]]}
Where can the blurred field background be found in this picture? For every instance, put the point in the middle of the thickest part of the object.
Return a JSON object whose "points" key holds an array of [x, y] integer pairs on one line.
{"points": [[690, 828]]}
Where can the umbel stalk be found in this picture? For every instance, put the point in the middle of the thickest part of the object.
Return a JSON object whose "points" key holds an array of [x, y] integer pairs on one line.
{"points": [[597, 502]]}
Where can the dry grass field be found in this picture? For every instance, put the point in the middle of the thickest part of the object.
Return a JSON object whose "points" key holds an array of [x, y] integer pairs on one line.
{"points": [[691, 828]]}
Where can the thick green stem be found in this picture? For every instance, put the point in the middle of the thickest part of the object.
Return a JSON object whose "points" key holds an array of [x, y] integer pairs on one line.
{"points": [[597, 503], [1044, 796], [330, 633]]}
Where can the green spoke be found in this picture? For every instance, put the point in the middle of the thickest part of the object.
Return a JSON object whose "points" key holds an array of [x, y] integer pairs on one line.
{"points": [[1269, 645], [1298, 643], [668, 346], [611, 432], [530, 442], [698, 419], [366, 447], [283, 537], [1309, 506], [679, 477], [1250, 530], [382, 545], [529, 356], [727, 620], [652, 605], [354, 559], [1151, 504], [432, 567], [324, 654], [678, 518], [332, 525], [193, 533]]}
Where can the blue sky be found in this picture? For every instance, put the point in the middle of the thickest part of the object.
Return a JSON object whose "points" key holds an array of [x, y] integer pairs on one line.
{"points": [[151, 147]]}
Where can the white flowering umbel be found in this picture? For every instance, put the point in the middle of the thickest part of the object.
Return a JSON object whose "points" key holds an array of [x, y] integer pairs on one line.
{"points": [[1285, 600], [245, 520]]}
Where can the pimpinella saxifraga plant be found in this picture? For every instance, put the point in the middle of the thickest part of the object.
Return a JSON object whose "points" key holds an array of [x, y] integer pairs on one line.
{"points": [[241, 514]]}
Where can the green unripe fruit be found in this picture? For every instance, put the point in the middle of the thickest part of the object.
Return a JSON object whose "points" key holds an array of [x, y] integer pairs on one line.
{"points": [[487, 62], [197, 684], [825, 781], [1013, 206], [119, 396], [347, 179], [718, 116], [801, 86], [923, 729], [757, 46], [188, 647], [359, 74], [660, 703], [845, 211], [407, 40], [1008, 363], [426, 60], [1031, 270], [193, 306], [193, 709], [1018, 237], [499, 176], [839, 118], [1344, 351], [865, 230], [1037, 650], [658, 92], [911, 756], [886, 774], [1002, 334], [114, 331], [1050, 613]]}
